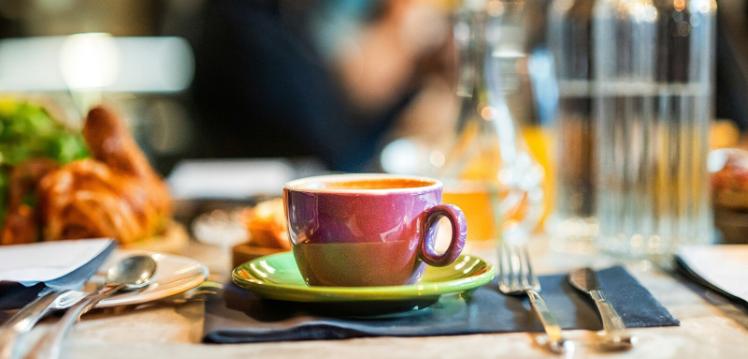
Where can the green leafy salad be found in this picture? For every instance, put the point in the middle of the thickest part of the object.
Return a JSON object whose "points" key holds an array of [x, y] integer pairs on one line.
{"points": [[28, 131]]}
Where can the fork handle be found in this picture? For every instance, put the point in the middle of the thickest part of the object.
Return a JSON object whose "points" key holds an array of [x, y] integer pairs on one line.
{"points": [[556, 341]]}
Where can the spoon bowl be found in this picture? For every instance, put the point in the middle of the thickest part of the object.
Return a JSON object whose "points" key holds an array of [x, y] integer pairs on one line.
{"points": [[133, 272]]}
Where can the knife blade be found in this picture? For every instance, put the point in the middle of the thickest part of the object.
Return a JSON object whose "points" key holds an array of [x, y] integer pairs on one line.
{"points": [[584, 280], [615, 336]]}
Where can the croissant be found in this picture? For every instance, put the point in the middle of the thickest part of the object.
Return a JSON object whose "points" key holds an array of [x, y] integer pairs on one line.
{"points": [[22, 220], [114, 194]]}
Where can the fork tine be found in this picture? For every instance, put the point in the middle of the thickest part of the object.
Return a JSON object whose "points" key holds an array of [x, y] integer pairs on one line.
{"points": [[505, 266], [515, 265], [502, 266], [508, 271], [523, 267], [532, 278]]}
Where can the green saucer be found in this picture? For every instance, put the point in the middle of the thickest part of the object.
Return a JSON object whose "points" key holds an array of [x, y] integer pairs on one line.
{"points": [[277, 277]]}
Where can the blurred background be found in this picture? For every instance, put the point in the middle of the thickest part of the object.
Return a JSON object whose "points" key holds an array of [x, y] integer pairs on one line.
{"points": [[333, 80], [400, 86]]}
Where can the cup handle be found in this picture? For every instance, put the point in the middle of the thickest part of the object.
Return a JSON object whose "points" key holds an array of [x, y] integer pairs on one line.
{"points": [[430, 225]]}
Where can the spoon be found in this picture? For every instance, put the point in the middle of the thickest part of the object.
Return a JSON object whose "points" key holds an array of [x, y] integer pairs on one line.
{"points": [[131, 273], [14, 330]]}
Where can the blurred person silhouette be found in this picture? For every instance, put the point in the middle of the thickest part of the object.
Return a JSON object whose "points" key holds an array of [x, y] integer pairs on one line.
{"points": [[326, 78]]}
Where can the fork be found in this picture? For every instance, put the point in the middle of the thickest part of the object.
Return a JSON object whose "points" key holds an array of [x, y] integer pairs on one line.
{"points": [[517, 278]]}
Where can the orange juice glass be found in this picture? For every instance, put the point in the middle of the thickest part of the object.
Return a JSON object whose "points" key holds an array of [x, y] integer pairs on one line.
{"points": [[475, 201]]}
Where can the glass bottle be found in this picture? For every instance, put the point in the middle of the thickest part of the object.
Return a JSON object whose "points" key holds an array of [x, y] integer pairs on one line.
{"points": [[488, 172]]}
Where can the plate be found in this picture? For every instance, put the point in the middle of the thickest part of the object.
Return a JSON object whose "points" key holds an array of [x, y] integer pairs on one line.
{"points": [[277, 277], [174, 275]]}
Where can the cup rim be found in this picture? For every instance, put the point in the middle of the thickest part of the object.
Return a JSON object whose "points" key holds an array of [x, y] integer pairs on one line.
{"points": [[297, 184]]}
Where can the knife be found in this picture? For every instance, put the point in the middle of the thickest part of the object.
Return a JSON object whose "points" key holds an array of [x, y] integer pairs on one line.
{"points": [[615, 336]]}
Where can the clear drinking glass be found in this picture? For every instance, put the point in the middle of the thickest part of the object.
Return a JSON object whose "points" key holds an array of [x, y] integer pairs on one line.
{"points": [[653, 66], [569, 34]]}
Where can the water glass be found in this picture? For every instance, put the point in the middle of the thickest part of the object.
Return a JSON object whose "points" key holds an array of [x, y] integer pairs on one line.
{"points": [[653, 66]]}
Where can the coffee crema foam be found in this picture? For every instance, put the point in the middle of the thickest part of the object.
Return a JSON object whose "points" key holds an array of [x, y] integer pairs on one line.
{"points": [[367, 184], [384, 183]]}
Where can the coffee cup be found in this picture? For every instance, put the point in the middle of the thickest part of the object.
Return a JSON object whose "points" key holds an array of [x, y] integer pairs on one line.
{"points": [[368, 229]]}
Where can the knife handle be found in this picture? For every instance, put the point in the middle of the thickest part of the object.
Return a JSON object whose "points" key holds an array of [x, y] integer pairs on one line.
{"points": [[612, 322]]}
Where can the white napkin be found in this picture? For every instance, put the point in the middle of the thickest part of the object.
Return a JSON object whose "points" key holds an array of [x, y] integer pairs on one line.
{"points": [[30, 264], [723, 266]]}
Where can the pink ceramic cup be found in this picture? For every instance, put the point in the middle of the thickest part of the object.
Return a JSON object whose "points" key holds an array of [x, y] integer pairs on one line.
{"points": [[368, 229]]}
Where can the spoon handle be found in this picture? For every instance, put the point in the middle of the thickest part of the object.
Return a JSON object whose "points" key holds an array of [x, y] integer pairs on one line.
{"points": [[50, 346], [19, 324]]}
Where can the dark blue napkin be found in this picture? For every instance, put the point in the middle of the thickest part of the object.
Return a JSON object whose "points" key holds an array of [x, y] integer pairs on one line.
{"points": [[16, 295], [239, 316]]}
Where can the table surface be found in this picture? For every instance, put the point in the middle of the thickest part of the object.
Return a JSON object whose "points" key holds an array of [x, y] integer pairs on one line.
{"points": [[710, 326]]}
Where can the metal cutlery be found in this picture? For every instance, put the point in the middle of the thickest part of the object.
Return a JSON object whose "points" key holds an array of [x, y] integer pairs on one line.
{"points": [[516, 277], [130, 273], [615, 336], [13, 331]]}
